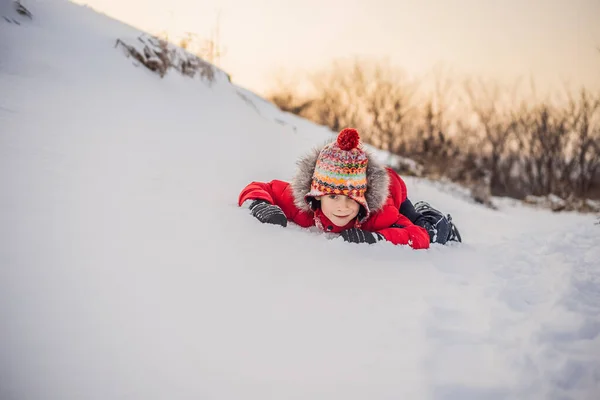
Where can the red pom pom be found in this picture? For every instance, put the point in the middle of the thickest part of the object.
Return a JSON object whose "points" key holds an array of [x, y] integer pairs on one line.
{"points": [[348, 139]]}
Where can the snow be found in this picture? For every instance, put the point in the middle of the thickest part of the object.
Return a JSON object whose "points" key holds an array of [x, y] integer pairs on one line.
{"points": [[127, 270]]}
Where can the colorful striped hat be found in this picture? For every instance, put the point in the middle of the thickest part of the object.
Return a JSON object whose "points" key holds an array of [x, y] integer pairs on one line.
{"points": [[341, 168]]}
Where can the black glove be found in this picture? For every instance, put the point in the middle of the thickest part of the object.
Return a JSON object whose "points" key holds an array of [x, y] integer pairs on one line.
{"points": [[268, 213], [355, 235]]}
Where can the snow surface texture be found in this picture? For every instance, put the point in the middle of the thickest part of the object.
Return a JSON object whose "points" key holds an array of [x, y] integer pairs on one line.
{"points": [[127, 270]]}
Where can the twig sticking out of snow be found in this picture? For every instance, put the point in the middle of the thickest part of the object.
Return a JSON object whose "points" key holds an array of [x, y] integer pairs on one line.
{"points": [[151, 61], [22, 10]]}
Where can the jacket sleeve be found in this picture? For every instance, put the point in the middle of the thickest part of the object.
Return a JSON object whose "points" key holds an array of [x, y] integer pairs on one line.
{"points": [[258, 191], [278, 193], [406, 233]]}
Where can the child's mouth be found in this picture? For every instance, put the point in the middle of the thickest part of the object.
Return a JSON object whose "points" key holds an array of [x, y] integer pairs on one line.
{"points": [[341, 216]]}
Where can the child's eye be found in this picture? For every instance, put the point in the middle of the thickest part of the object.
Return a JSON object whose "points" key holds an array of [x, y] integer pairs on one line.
{"points": [[333, 196]]}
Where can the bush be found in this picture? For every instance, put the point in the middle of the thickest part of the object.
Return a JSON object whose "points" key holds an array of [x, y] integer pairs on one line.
{"points": [[158, 55]]}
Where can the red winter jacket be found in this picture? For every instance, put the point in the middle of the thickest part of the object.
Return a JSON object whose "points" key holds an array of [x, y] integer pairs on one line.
{"points": [[383, 216]]}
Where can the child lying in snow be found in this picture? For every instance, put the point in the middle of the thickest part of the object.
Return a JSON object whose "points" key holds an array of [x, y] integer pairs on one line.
{"points": [[342, 189]]}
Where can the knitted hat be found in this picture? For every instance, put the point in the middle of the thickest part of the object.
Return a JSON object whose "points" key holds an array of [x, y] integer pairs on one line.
{"points": [[341, 168]]}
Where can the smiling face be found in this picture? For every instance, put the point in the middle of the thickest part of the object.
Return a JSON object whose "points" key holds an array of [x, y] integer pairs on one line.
{"points": [[339, 209]]}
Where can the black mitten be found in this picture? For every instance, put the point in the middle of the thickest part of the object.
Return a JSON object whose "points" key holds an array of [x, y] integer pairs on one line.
{"points": [[268, 213], [355, 235]]}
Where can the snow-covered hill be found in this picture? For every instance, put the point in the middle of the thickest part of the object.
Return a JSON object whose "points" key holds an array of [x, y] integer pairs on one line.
{"points": [[127, 270]]}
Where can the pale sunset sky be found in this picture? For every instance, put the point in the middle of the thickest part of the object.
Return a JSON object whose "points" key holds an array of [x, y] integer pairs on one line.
{"points": [[554, 41]]}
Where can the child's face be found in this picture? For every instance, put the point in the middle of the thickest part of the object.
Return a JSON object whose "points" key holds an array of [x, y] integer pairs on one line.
{"points": [[339, 209]]}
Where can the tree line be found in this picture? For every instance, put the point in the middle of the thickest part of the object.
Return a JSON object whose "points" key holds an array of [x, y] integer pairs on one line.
{"points": [[470, 131]]}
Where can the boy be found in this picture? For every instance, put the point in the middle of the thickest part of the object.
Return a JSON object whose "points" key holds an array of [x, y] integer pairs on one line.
{"points": [[342, 189]]}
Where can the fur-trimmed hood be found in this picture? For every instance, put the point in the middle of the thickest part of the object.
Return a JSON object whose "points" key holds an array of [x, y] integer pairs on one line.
{"points": [[378, 181]]}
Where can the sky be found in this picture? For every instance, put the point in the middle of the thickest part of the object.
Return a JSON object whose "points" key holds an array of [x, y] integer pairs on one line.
{"points": [[554, 41]]}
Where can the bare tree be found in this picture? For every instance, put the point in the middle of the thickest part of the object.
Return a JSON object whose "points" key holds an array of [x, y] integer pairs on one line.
{"points": [[585, 124], [391, 107], [486, 103]]}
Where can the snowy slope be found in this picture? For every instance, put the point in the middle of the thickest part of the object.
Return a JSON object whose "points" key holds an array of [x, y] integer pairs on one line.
{"points": [[127, 271]]}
